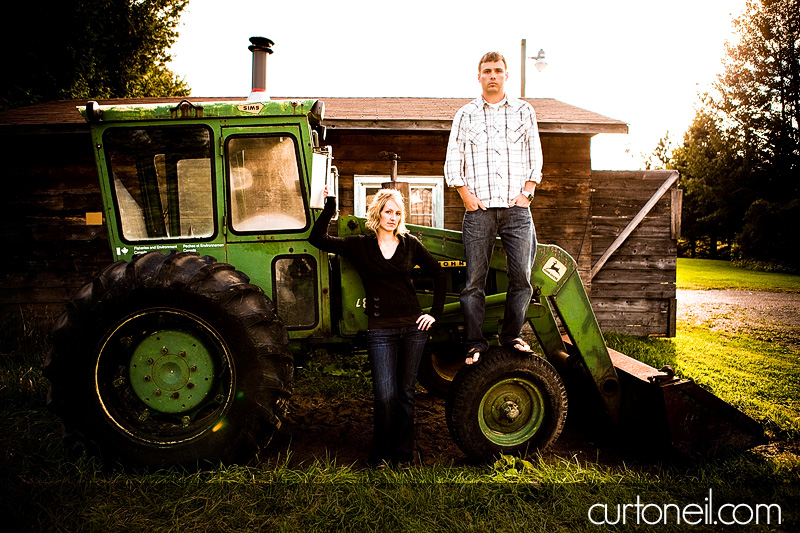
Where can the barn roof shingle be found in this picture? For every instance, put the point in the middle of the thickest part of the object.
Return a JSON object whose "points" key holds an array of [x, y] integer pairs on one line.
{"points": [[384, 113]]}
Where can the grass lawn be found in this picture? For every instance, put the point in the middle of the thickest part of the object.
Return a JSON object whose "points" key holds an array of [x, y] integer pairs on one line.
{"points": [[706, 274], [42, 488]]}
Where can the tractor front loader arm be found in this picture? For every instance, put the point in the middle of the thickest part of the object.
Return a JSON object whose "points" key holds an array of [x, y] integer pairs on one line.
{"points": [[648, 408], [560, 291], [557, 290]]}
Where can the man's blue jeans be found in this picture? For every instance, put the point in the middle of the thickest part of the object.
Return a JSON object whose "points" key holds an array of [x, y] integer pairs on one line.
{"points": [[395, 354], [514, 225]]}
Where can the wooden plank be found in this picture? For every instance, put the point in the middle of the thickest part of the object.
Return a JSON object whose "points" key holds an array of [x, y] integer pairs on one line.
{"points": [[672, 178], [624, 290], [630, 305], [639, 246], [628, 209], [677, 208], [627, 276], [646, 230]]}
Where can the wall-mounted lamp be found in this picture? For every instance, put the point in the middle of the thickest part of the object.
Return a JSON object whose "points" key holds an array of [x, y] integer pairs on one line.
{"points": [[540, 65], [540, 62]]}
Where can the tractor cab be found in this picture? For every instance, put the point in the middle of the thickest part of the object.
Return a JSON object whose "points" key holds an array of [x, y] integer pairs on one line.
{"points": [[232, 180]]}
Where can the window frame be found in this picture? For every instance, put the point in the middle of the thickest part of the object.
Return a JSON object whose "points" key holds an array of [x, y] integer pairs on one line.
{"points": [[232, 133], [117, 199], [361, 182]]}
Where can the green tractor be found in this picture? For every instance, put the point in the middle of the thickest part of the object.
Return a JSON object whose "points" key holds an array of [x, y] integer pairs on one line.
{"points": [[182, 350]]}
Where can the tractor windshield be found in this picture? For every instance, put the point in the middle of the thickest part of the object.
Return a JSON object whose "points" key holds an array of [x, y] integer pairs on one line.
{"points": [[162, 181]]}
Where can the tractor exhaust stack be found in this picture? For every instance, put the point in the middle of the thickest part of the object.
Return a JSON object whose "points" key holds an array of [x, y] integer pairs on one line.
{"points": [[261, 48]]}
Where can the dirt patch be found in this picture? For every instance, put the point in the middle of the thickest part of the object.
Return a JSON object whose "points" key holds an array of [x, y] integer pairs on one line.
{"points": [[768, 316], [341, 429], [318, 428]]}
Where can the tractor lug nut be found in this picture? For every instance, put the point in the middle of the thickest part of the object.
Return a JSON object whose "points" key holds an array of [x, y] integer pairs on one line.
{"points": [[510, 410]]}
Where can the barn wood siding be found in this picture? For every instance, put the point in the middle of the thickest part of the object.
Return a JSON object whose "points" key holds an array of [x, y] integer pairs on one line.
{"points": [[634, 292], [50, 251], [561, 208]]}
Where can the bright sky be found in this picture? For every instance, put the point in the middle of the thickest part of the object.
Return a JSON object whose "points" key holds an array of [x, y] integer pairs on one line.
{"points": [[639, 61]]}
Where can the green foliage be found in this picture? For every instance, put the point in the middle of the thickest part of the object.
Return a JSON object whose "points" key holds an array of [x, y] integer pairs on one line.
{"points": [[90, 49], [661, 156], [770, 234], [335, 375], [744, 144], [759, 91], [713, 166]]}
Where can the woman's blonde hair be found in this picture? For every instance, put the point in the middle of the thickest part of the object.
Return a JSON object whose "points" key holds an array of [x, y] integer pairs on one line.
{"points": [[376, 207]]}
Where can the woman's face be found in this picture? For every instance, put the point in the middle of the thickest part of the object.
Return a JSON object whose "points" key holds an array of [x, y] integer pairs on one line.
{"points": [[390, 216]]}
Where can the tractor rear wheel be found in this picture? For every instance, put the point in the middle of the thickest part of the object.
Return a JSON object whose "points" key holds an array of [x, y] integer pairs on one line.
{"points": [[508, 403], [439, 366], [169, 359]]}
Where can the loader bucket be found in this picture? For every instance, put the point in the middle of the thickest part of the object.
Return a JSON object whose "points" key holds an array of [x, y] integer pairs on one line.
{"points": [[665, 412]]}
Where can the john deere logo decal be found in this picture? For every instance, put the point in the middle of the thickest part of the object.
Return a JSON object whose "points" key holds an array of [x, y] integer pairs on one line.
{"points": [[554, 269]]}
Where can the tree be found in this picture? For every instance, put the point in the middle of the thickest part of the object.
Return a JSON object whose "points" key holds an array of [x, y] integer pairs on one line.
{"points": [[759, 91], [740, 159], [714, 168], [89, 49]]}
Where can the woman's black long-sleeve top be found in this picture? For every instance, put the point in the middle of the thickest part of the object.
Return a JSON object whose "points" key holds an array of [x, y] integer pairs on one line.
{"points": [[387, 282]]}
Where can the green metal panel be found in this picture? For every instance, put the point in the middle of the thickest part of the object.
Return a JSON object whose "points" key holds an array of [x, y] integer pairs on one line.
{"points": [[354, 316], [197, 110], [556, 274]]}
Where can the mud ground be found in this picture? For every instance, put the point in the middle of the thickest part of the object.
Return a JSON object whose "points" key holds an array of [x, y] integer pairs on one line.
{"points": [[339, 430]]}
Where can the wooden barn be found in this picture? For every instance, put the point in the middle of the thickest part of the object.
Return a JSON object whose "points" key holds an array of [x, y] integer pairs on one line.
{"points": [[621, 227]]}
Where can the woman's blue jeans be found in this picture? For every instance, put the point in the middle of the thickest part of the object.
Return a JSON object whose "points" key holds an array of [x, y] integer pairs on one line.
{"points": [[514, 226], [395, 354]]}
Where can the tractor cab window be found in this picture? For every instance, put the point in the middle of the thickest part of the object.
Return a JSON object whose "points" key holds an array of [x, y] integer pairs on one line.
{"points": [[264, 184], [294, 282], [162, 181]]}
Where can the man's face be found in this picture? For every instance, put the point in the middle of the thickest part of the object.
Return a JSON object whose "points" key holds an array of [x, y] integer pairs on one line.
{"points": [[493, 77]]}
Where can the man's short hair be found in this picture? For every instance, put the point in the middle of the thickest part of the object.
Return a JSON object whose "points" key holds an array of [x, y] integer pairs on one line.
{"points": [[491, 57]]}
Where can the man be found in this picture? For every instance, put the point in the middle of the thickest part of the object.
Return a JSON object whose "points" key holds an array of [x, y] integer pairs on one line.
{"points": [[494, 159]]}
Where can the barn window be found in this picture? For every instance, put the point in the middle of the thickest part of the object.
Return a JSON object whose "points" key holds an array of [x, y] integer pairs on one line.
{"points": [[426, 197]]}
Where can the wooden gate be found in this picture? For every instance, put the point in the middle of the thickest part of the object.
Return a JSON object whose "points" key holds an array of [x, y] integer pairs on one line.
{"points": [[635, 226]]}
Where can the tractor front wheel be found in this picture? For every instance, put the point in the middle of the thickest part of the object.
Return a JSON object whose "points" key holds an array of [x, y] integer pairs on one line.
{"points": [[508, 403]]}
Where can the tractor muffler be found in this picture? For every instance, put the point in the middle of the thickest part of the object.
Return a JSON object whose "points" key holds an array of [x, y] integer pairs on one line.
{"points": [[261, 48]]}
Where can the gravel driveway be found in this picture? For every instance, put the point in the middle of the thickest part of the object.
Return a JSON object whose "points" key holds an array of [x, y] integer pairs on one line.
{"points": [[769, 316]]}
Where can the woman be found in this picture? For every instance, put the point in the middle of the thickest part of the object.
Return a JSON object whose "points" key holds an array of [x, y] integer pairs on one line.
{"points": [[397, 327]]}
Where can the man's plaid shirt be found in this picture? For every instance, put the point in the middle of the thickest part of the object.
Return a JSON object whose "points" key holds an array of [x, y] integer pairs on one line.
{"points": [[494, 151]]}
